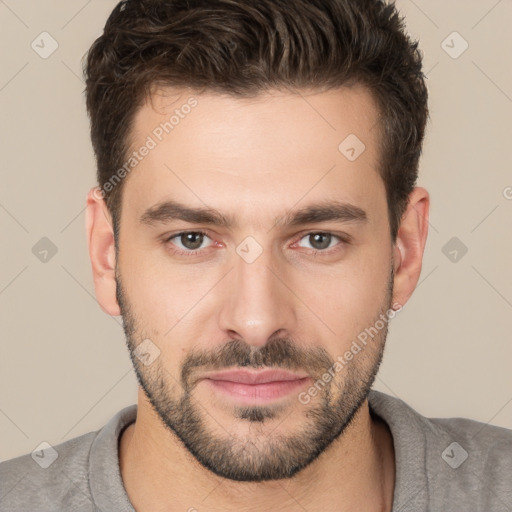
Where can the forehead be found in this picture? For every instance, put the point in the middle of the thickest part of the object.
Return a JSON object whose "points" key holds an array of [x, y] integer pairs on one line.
{"points": [[255, 156]]}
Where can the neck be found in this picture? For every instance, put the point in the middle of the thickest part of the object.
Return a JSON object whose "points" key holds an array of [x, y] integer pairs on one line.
{"points": [[356, 472]]}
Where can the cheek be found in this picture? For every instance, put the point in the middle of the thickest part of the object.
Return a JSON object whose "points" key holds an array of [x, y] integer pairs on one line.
{"points": [[350, 298], [172, 303], [153, 283]]}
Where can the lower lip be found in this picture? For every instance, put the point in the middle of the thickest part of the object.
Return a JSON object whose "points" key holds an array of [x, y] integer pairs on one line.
{"points": [[257, 393]]}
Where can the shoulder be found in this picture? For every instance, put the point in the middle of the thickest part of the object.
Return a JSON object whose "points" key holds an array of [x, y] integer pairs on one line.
{"points": [[470, 461], [486, 448], [48, 479], [455, 461], [486, 439]]}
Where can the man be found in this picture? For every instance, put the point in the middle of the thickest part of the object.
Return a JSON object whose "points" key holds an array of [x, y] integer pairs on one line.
{"points": [[257, 225]]}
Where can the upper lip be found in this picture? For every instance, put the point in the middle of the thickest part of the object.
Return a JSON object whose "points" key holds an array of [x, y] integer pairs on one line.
{"points": [[258, 377]]}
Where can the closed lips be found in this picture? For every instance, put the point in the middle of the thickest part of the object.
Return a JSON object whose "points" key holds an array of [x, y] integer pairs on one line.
{"points": [[261, 377]]}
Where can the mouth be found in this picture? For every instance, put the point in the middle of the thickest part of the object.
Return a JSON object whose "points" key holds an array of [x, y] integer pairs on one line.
{"points": [[255, 387]]}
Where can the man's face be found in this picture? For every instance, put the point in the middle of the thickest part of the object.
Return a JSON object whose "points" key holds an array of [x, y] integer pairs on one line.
{"points": [[257, 292]]}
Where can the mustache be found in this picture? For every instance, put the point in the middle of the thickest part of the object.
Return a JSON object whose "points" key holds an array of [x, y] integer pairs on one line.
{"points": [[279, 353]]}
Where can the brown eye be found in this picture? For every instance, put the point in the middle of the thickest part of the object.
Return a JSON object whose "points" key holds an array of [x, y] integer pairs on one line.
{"points": [[191, 241], [188, 241], [319, 241]]}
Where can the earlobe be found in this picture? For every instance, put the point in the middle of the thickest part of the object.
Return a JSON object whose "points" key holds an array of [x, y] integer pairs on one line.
{"points": [[101, 245], [410, 245]]}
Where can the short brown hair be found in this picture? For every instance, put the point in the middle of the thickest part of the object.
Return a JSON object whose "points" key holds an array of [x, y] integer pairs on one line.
{"points": [[245, 47]]}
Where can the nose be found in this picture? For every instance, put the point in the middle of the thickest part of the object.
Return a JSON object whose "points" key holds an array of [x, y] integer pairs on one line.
{"points": [[258, 303]]}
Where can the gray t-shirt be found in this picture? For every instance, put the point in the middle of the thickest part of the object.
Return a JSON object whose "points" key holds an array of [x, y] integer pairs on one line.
{"points": [[442, 465]]}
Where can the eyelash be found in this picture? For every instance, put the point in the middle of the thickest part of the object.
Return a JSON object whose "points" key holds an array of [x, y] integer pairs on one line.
{"points": [[346, 239]]}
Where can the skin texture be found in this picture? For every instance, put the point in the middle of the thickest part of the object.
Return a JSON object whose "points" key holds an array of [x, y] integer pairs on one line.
{"points": [[291, 308]]}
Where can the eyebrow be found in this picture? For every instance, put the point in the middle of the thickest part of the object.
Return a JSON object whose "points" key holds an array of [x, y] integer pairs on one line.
{"points": [[326, 211]]}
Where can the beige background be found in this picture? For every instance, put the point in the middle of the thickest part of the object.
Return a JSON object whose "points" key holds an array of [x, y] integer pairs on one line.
{"points": [[64, 366]]}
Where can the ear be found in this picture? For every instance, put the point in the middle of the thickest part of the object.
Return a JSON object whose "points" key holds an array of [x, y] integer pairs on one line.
{"points": [[100, 240], [410, 244]]}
